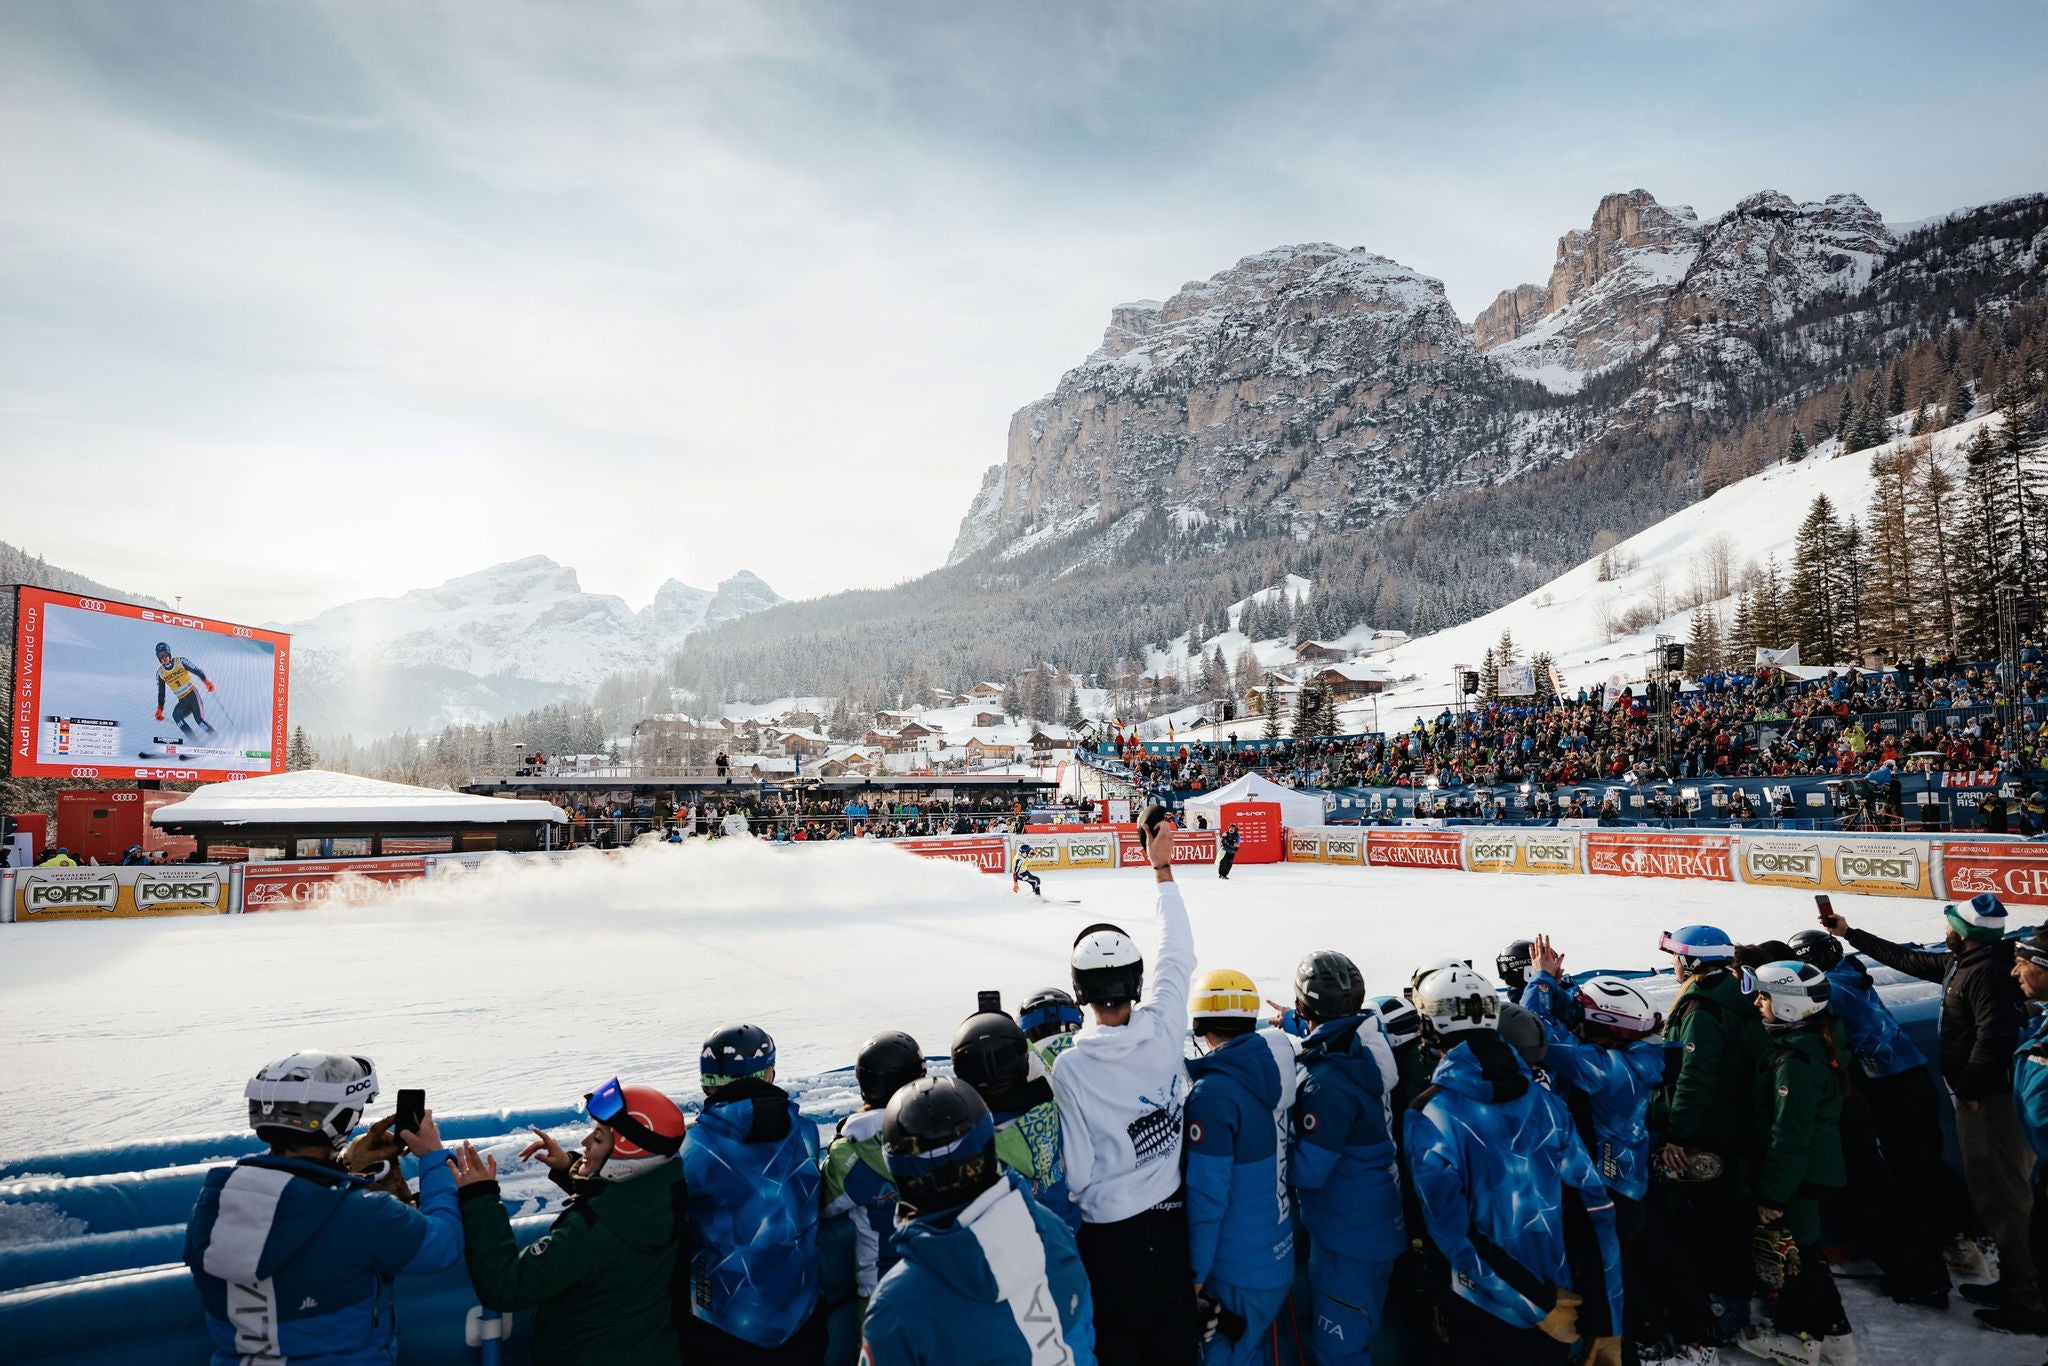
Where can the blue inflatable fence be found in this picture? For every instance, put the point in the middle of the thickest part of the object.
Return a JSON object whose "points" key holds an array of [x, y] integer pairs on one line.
{"points": [[118, 1292]]}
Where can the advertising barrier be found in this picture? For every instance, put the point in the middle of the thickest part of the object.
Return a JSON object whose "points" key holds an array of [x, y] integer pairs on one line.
{"points": [[990, 853], [2014, 872], [1260, 838], [1415, 848], [1042, 853], [119, 893], [1326, 844], [1644, 853], [1546, 851], [315, 882], [1835, 863], [1189, 846]]}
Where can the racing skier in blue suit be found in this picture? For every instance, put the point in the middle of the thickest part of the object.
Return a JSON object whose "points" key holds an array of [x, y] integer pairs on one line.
{"points": [[1341, 1159], [750, 1166], [1240, 1223], [293, 1256], [1508, 1194]]}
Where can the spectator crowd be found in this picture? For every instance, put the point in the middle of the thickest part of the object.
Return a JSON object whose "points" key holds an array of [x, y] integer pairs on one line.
{"points": [[1165, 1167]]}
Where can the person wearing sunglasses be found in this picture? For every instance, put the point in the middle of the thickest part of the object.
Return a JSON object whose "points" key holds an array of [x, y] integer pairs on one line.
{"points": [[1703, 1115], [600, 1280], [293, 1255]]}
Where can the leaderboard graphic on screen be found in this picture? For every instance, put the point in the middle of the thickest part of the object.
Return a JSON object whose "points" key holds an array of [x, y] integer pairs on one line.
{"points": [[114, 690]]}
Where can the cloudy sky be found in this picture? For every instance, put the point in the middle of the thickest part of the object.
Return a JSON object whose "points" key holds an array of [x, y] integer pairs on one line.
{"points": [[304, 302]]}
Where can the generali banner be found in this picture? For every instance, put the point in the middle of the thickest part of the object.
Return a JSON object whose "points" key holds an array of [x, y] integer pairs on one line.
{"points": [[1834, 863], [990, 853], [1646, 853], [120, 893], [303, 883], [2015, 872], [1415, 848]]}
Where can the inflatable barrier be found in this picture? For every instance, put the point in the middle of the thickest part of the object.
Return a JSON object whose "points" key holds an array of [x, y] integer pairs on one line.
{"points": [[1936, 866]]}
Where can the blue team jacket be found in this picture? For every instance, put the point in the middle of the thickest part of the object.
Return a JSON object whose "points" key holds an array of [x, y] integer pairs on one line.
{"points": [[1882, 1049], [2030, 1082], [1494, 1159], [1340, 1152], [1239, 1224], [1618, 1084], [997, 1282], [750, 1165], [294, 1259]]}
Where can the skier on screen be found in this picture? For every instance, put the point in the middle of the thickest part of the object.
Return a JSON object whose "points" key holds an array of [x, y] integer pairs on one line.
{"points": [[175, 674]]}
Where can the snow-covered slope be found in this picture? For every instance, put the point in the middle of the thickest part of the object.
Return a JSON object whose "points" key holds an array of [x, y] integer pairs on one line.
{"points": [[481, 645], [1750, 521]]}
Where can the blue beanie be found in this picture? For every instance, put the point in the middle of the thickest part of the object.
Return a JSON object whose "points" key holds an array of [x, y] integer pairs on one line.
{"points": [[1981, 920]]}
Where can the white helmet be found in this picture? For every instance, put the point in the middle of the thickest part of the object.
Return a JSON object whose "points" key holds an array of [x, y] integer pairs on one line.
{"points": [[1108, 969], [1613, 1004], [1423, 970], [311, 1094], [1454, 999], [1798, 991]]}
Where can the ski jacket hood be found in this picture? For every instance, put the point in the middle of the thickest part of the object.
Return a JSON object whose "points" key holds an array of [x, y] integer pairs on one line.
{"points": [[749, 1110], [1483, 1068]]}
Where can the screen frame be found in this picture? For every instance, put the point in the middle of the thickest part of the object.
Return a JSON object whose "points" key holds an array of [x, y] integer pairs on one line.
{"points": [[31, 612]]}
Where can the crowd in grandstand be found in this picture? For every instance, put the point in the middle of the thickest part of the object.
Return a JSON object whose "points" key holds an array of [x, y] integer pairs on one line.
{"points": [[1533, 1170]]}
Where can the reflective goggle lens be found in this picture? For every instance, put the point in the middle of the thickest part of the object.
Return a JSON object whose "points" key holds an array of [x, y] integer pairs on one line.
{"points": [[606, 1103]]}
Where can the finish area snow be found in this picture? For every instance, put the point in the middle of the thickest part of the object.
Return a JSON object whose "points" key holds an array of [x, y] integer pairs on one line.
{"points": [[527, 985]]}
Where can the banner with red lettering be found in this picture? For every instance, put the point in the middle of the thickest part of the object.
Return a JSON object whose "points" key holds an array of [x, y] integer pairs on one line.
{"points": [[1647, 853], [990, 853], [297, 885], [2015, 871]]}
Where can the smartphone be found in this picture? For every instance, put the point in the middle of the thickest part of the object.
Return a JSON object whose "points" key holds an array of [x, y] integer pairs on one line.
{"points": [[1826, 907], [412, 1112], [1153, 817], [988, 1002]]}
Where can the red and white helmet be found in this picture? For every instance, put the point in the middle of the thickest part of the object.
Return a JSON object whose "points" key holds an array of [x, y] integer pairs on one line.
{"points": [[1613, 1004], [647, 1128]]}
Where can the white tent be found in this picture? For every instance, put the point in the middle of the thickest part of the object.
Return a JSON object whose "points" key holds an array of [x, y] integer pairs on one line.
{"points": [[1297, 810]]}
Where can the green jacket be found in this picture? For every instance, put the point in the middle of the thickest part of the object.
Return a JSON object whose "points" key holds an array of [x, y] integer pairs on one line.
{"points": [[1719, 1037], [1798, 1123], [600, 1278]]}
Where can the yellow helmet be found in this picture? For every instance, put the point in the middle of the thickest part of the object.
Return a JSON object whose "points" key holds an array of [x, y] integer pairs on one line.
{"points": [[1222, 994]]}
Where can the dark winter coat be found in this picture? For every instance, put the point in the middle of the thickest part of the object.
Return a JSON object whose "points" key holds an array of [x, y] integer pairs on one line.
{"points": [[1798, 1122], [1718, 1037], [1982, 1008], [601, 1277]]}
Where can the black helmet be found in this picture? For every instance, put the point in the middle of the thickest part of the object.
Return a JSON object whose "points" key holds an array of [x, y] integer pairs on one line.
{"points": [[1523, 1032], [733, 1052], [1817, 947], [1048, 1012], [889, 1061], [1327, 986], [991, 1054], [1514, 962], [940, 1143], [163, 650]]}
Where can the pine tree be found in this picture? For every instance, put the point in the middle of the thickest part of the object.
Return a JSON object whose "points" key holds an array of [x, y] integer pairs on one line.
{"points": [[1890, 581], [1983, 546], [1815, 608], [1772, 613], [1269, 711], [1703, 645], [1544, 664], [1960, 400], [1217, 683], [1845, 417], [1895, 392], [2023, 462], [299, 754], [1740, 647], [1073, 716], [1013, 700], [1489, 676], [1305, 716], [1796, 451], [1931, 519]]}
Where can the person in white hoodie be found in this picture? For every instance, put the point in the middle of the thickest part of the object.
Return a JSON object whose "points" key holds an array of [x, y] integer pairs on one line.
{"points": [[1122, 1088]]}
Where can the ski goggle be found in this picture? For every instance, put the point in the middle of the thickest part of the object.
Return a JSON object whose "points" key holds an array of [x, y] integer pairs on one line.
{"points": [[1752, 984], [1703, 952], [1051, 1015], [607, 1105]]}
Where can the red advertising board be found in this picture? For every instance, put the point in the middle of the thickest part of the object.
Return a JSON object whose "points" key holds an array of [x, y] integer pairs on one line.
{"points": [[108, 690], [1646, 853], [990, 853], [1415, 849], [313, 882], [2012, 872], [1260, 839], [1189, 846]]}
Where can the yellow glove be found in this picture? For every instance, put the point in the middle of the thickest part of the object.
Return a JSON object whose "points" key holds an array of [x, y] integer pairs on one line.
{"points": [[1561, 1324], [1605, 1352]]}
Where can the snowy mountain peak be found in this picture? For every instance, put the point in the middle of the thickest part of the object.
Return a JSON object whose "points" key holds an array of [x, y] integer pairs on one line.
{"points": [[485, 644]]}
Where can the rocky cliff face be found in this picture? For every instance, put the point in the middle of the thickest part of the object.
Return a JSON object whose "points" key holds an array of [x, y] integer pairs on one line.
{"points": [[1306, 387]]}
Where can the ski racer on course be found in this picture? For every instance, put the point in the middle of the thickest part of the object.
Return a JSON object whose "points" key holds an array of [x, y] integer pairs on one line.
{"points": [[987, 1276], [1509, 1195], [174, 675], [1020, 870], [293, 1255], [1341, 1159], [1122, 1088]]}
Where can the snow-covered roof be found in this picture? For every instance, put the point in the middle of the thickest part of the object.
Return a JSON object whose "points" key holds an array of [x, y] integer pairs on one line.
{"points": [[1358, 671], [316, 796]]}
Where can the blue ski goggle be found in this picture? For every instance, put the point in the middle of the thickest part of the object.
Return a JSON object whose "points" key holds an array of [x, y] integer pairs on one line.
{"points": [[607, 1105], [1052, 1013]]}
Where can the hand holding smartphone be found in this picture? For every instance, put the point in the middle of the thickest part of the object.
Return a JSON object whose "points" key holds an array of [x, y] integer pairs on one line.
{"points": [[412, 1111]]}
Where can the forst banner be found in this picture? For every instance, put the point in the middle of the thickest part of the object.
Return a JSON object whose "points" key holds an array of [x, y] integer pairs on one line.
{"points": [[1832, 863], [119, 893], [117, 690], [1546, 851]]}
